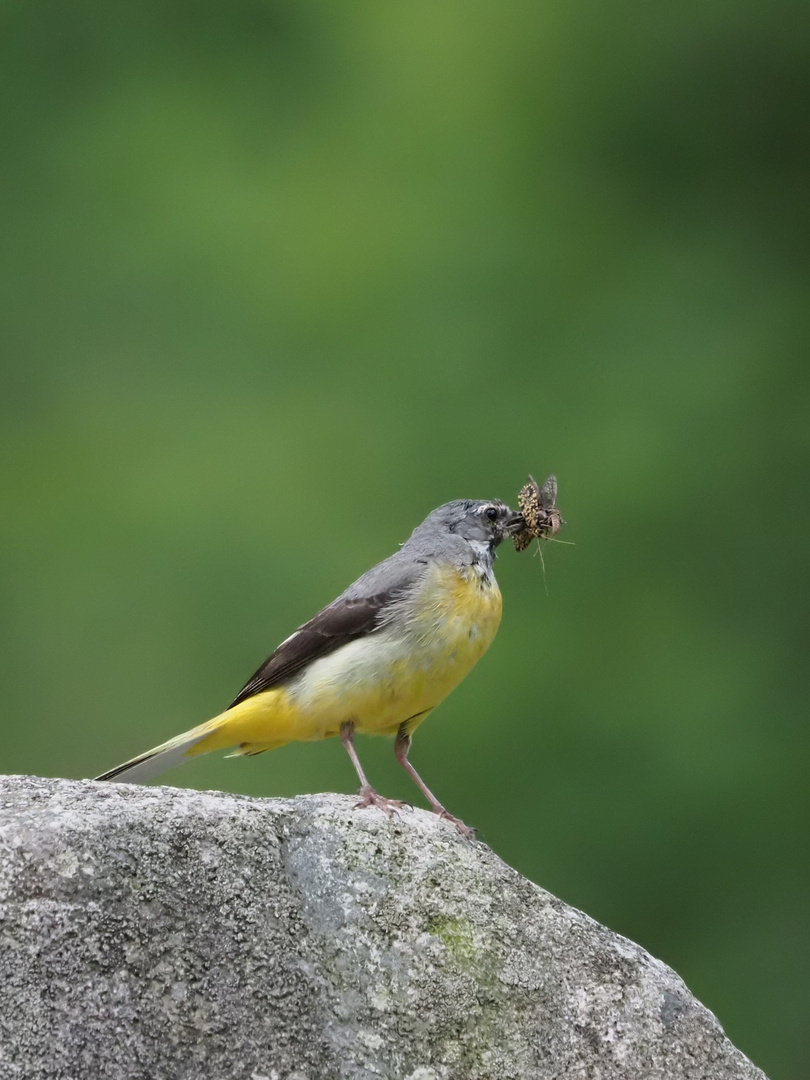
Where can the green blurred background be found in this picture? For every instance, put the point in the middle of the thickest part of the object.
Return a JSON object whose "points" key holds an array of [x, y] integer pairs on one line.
{"points": [[279, 278]]}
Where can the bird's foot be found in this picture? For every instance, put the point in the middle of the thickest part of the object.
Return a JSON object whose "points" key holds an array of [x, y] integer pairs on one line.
{"points": [[369, 797], [466, 831]]}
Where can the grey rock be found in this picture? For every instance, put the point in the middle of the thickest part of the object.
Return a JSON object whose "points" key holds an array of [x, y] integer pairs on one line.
{"points": [[158, 933]]}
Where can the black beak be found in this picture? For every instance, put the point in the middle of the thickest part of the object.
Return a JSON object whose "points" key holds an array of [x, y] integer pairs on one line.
{"points": [[513, 523]]}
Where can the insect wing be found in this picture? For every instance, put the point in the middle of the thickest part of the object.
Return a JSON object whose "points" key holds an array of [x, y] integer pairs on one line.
{"points": [[548, 493]]}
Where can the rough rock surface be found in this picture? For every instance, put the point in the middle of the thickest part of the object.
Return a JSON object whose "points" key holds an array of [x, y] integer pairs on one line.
{"points": [[166, 934]]}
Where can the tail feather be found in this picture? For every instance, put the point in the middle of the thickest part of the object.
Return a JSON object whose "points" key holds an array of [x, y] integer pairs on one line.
{"points": [[142, 768], [251, 749], [245, 726]]}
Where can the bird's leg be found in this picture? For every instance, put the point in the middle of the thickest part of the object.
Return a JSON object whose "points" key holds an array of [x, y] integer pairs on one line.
{"points": [[368, 796], [402, 745]]}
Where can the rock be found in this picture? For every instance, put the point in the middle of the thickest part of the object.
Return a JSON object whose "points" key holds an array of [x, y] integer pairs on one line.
{"points": [[166, 934]]}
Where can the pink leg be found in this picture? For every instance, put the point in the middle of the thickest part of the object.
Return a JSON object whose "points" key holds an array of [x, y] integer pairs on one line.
{"points": [[401, 749], [368, 796]]}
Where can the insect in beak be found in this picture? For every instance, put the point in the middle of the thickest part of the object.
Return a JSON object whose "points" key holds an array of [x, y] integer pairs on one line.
{"points": [[539, 513]]}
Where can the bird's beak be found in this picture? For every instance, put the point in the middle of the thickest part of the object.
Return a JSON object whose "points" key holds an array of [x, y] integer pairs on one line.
{"points": [[513, 523]]}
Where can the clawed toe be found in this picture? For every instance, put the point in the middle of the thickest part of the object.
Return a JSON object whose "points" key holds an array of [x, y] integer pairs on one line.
{"points": [[369, 797], [466, 831]]}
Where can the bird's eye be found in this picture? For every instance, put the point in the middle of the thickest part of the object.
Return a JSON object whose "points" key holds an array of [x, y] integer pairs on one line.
{"points": [[491, 512]]}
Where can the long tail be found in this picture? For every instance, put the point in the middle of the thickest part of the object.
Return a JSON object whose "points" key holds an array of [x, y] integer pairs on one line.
{"points": [[258, 723], [142, 768]]}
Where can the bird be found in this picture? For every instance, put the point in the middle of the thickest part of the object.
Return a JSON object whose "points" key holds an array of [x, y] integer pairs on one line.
{"points": [[377, 660]]}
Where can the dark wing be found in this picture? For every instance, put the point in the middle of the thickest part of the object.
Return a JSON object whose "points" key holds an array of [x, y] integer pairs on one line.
{"points": [[344, 620]]}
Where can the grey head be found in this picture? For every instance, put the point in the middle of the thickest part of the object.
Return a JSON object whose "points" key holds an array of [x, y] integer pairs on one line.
{"points": [[465, 532], [478, 521]]}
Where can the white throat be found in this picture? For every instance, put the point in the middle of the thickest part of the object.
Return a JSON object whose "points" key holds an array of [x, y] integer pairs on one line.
{"points": [[484, 556]]}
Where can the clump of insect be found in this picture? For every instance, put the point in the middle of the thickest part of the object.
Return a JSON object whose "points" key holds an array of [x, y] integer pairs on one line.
{"points": [[538, 505]]}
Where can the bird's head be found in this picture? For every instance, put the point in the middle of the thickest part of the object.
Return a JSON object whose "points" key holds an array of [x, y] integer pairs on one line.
{"points": [[485, 521]]}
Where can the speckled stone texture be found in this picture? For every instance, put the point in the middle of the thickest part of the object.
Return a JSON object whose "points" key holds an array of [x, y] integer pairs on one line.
{"points": [[166, 934]]}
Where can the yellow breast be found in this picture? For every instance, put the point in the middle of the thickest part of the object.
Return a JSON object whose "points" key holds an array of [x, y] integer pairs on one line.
{"points": [[455, 615], [436, 639]]}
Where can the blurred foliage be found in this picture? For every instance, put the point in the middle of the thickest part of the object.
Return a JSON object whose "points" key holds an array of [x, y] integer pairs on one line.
{"points": [[281, 277]]}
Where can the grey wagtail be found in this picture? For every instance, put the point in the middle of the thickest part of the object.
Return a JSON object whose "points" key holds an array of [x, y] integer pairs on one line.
{"points": [[376, 660]]}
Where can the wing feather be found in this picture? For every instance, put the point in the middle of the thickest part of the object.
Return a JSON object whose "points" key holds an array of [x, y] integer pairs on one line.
{"points": [[344, 620]]}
